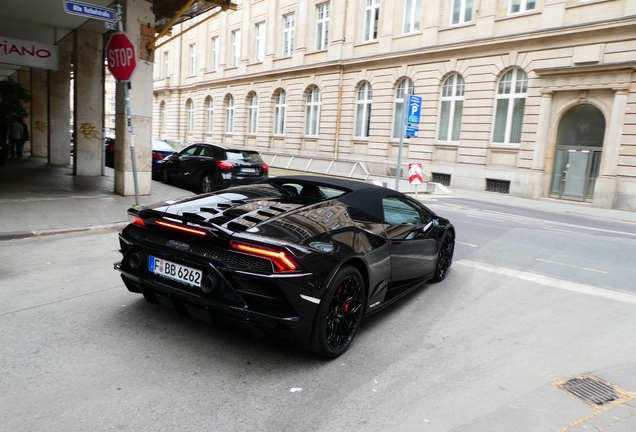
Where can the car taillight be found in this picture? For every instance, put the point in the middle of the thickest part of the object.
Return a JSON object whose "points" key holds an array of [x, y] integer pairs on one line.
{"points": [[224, 165], [281, 260], [137, 221], [181, 227], [265, 167], [110, 148], [157, 156]]}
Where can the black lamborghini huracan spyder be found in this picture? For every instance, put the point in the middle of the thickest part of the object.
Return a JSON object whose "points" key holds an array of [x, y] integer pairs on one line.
{"points": [[300, 257]]}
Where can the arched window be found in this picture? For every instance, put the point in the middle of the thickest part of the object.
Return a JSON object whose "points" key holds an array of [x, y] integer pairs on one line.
{"points": [[511, 102], [209, 114], [451, 107], [363, 110], [162, 116], [229, 114], [406, 85], [280, 108], [312, 111], [252, 114], [190, 115]]}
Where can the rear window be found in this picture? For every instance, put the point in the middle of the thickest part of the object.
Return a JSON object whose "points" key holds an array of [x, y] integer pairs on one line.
{"points": [[161, 146], [243, 156]]}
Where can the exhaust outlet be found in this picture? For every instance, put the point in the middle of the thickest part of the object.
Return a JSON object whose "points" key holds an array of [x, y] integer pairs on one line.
{"points": [[137, 260], [210, 283]]}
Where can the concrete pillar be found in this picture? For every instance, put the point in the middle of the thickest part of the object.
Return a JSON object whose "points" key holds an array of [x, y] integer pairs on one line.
{"points": [[24, 78], [337, 26], [301, 27], [136, 14], [272, 36], [59, 110], [543, 129], [88, 105], [605, 187], [39, 117]]}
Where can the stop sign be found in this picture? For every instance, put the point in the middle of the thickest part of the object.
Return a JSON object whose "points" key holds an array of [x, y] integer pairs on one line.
{"points": [[120, 54]]}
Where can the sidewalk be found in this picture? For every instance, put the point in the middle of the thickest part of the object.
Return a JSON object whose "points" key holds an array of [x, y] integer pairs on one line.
{"points": [[37, 199]]}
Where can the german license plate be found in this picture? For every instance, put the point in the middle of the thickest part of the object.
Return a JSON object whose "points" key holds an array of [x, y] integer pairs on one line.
{"points": [[174, 271], [248, 170]]}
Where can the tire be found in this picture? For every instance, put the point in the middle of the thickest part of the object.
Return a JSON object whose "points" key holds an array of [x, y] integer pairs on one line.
{"points": [[165, 176], [339, 314], [445, 256], [207, 183]]}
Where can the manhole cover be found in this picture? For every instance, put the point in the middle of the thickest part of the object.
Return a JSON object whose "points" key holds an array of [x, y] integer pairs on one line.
{"points": [[590, 390]]}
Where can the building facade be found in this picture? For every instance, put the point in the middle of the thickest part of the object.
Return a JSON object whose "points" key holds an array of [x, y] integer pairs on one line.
{"points": [[535, 98]]}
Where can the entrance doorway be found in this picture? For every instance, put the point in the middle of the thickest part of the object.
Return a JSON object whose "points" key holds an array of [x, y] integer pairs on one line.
{"points": [[578, 153]]}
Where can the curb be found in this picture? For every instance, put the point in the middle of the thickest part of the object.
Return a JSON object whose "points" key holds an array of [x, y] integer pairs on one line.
{"points": [[19, 235]]}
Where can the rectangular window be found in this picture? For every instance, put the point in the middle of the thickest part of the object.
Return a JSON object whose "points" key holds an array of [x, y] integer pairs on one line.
{"points": [[193, 59], [214, 55], [252, 115], [288, 35], [371, 19], [260, 42], [166, 64], [517, 6], [462, 11], [322, 27], [412, 13], [236, 47]]}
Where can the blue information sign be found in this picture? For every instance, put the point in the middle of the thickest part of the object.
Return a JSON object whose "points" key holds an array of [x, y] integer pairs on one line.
{"points": [[411, 131], [89, 11], [415, 107]]}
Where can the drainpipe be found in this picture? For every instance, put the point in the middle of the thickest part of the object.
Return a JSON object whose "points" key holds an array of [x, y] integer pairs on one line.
{"points": [[335, 151]]}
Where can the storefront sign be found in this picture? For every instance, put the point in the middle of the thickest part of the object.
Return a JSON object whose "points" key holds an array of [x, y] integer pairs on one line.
{"points": [[26, 53]]}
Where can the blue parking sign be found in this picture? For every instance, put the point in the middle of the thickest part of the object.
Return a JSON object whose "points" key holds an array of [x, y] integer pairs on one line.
{"points": [[415, 107]]}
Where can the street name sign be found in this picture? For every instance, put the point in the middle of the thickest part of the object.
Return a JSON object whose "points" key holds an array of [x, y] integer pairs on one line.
{"points": [[90, 11]]}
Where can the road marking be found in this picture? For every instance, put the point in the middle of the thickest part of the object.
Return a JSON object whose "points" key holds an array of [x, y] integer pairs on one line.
{"points": [[466, 244], [570, 265], [549, 222], [486, 218], [560, 230], [540, 279]]}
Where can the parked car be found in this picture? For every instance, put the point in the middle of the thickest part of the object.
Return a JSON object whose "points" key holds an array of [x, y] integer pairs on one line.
{"points": [[160, 149], [209, 167], [300, 257]]}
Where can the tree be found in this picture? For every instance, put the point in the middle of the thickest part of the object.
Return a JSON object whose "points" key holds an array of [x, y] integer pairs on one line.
{"points": [[12, 100]]}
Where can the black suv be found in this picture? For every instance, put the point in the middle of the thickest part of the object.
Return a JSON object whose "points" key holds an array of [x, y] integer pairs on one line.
{"points": [[209, 167]]}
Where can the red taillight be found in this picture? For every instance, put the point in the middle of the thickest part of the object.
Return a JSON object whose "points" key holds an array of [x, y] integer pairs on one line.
{"points": [[181, 227], [136, 220], [281, 261], [156, 155], [110, 148], [265, 167], [224, 165]]}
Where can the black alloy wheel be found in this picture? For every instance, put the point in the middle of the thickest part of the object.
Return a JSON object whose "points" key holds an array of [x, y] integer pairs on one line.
{"points": [[339, 314], [165, 175], [445, 256], [207, 183]]}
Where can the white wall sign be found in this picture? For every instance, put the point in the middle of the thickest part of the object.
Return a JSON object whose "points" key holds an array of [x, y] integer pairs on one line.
{"points": [[26, 53]]}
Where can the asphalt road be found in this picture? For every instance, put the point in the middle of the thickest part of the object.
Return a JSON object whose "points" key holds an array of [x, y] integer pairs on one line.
{"points": [[532, 298]]}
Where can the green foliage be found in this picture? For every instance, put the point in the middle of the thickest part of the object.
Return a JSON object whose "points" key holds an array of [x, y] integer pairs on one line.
{"points": [[12, 99]]}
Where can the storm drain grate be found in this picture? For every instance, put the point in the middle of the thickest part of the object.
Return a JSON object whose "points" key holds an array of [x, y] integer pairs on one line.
{"points": [[590, 389]]}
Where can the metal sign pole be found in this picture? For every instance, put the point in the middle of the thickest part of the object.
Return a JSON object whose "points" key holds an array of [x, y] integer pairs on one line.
{"points": [[120, 28], [405, 107]]}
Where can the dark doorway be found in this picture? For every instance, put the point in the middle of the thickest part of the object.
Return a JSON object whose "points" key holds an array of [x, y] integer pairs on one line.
{"points": [[578, 153]]}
